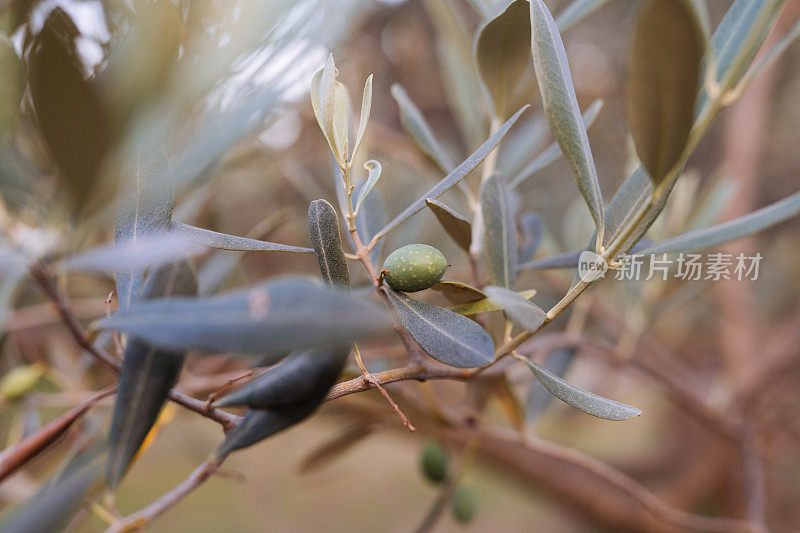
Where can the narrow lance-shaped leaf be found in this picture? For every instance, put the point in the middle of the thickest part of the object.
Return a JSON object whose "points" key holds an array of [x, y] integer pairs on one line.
{"points": [[144, 208], [486, 305], [531, 235], [502, 54], [146, 376], [223, 241], [499, 232], [415, 125], [371, 218], [663, 76], [522, 311], [136, 255], [584, 400], [449, 181], [539, 398], [561, 107], [323, 226], [728, 231], [458, 292], [366, 106], [553, 152], [271, 318], [374, 169], [444, 335], [456, 225], [341, 107], [258, 424]]}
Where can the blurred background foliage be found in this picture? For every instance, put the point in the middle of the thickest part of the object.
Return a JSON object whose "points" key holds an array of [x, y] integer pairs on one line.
{"points": [[226, 97]]}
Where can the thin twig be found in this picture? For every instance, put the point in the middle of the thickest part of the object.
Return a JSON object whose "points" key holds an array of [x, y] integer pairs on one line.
{"points": [[368, 377]]}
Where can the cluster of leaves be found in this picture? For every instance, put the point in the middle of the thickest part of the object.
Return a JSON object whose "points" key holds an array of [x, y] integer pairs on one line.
{"points": [[306, 328]]}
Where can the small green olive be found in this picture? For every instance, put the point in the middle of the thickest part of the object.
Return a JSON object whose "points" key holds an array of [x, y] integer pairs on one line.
{"points": [[434, 461], [464, 505], [414, 267]]}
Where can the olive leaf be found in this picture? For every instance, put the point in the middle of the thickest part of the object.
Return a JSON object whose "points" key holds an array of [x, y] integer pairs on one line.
{"points": [[531, 236], [486, 304], [456, 225], [223, 241], [446, 336], [271, 318], [539, 398], [570, 259], [366, 106], [663, 76], [561, 107], [146, 376], [577, 11], [721, 233], [144, 208], [372, 217], [329, 100], [502, 53], [69, 112], [521, 310], [458, 292], [499, 232], [418, 129], [258, 424], [553, 152], [449, 181], [323, 226], [584, 400], [374, 169]]}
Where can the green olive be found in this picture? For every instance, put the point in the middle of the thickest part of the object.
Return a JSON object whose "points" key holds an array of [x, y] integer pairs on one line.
{"points": [[434, 461], [414, 267], [464, 505]]}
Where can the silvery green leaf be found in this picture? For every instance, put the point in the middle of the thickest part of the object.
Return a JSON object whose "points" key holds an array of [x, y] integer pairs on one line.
{"points": [[449, 181], [136, 255], [634, 192], [576, 11], [456, 225], [366, 106], [561, 107], [374, 169], [223, 241], [663, 76], [521, 310], [553, 152], [569, 259], [539, 398], [458, 292], [769, 57], [144, 208], [327, 101], [499, 232], [486, 304], [446, 336], [584, 400], [147, 375], [418, 129], [258, 424], [502, 54], [341, 106], [371, 218], [531, 235], [271, 318], [323, 227], [728, 231]]}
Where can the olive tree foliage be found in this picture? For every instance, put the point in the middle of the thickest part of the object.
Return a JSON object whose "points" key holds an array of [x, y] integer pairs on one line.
{"points": [[91, 148]]}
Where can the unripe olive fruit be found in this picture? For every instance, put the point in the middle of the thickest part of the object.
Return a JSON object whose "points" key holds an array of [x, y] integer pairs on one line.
{"points": [[464, 505], [414, 267], [434, 461]]}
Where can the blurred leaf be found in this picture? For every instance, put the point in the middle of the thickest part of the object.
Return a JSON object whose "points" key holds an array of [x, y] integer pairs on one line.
{"points": [[366, 105], [458, 292], [486, 305], [664, 73], [769, 57], [532, 231], [341, 105], [223, 241], [323, 226], [456, 225], [332, 449], [134, 255], [499, 232], [582, 399], [521, 310], [371, 218], [69, 111], [144, 208], [634, 192], [11, 277], [509, 402], [731, 230], [454, 177], [502, 54], [146, 375], [17, 382], [53, 506], [302, 377], [539, 398], [11, 86], [274, 317], [374, 169], [553, 152], [576, 11], [561, 107], [258, 424], [418, 129], [569, 259], [448, 337]]}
